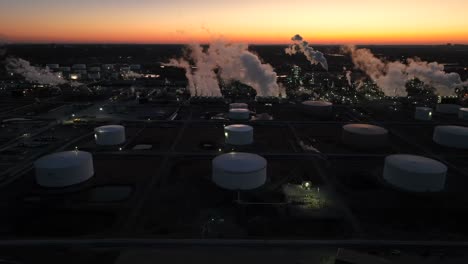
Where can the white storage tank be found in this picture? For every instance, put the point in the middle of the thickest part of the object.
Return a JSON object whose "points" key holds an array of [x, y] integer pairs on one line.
{"points": [[107, 67], [415, 173], [64, 69], [135, 67], [448, 108], [238, 135], [82, 72], [53, 66], [239, 171], [238, 106], [94, 69], [423, 113], [79, 67], [63, 169], [109, 135], [364, 136], [239, 114], [320, 109], [451, 136], [94, 76], [463, 113]]}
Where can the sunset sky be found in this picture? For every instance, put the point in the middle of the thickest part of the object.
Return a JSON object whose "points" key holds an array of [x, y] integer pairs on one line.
{"points": [[251, 21]]}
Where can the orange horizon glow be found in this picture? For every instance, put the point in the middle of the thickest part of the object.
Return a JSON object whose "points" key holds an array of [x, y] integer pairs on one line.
{"points": [[249, 21]]}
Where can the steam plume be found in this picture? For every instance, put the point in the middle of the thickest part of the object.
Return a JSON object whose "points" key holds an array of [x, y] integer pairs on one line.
{"points": [[391, 77], [348, 77], [31, 73], [301, 46], [132, 75], [228, 62]]}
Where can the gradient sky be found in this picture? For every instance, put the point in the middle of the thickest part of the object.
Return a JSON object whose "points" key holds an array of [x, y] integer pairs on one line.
{"points": [[251, 21]]}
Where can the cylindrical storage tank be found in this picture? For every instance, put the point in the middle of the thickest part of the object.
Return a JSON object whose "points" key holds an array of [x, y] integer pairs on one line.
{"points": [[451, 136], [463, 113], [53, 66], [65, 69], [448, 108], [238, 106], [364, 136], [239, 171], [107, 67], [238, 135], [239, 114], [79, 67], [415, 173], [109, 135], [63, 169], [423, 113], [320, 109]]}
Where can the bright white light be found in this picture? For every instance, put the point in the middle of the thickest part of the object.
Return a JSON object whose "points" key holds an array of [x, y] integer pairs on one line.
{"points": [[306, 185], [101, 109]]}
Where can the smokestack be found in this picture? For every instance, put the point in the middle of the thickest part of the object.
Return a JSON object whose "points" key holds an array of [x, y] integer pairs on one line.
{"points": [[313, 56]]}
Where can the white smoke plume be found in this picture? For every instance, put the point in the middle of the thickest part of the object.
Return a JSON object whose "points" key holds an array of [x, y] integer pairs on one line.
{"points": [[433, 73], [31, 73], [391, 77], [229, 62], [312, 55], [261, 76], [348, 78], [132, 75]]}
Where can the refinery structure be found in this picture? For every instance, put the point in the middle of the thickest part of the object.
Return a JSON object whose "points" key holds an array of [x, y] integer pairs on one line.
{"points": [[238, 151]]}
